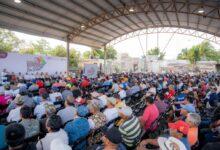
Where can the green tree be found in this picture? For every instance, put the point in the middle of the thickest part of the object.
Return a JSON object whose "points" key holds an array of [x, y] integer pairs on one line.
{"points": [[41, 46], [111, 53], [59, 51], [202, 51], [8, 41], [156, 51], [29, 50]]}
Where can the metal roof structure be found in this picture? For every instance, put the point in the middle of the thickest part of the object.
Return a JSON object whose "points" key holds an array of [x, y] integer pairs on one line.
{"points": [[97, 22]]}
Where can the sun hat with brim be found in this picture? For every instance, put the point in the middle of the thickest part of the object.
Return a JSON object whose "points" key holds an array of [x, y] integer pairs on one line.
{"points": [[127, 111], [14, 134], [50, 108], [19, 100], [95, 94], [113, 135], [170, 143], [180, 126], [111, 100]]}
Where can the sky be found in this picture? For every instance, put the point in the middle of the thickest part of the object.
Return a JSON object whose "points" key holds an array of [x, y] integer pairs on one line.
{"points": [[132, 46]]}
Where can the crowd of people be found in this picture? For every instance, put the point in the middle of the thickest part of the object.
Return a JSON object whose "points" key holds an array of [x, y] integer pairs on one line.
{"points": [[124, 111]]}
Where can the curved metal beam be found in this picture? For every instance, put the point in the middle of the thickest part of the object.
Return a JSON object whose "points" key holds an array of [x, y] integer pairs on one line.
{"points": [[183, 31], [137, 7]]}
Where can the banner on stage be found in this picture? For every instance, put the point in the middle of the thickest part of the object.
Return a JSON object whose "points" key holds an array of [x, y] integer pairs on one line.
{"points": [[91, 70], [15, 62]]}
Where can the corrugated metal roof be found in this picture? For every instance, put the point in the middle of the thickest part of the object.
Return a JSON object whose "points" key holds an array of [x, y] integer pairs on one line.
{"points": [[105, 20]]}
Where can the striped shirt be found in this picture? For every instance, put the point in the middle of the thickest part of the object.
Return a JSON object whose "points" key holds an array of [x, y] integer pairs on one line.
{"points": [[130, 131]]}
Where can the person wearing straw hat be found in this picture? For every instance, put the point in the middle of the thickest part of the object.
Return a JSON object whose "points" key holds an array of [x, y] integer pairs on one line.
{"points": [[14, 114], [111, 112]]}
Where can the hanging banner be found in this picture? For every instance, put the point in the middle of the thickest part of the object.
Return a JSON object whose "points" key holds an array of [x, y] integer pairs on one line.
{"points": [[91, 70]]}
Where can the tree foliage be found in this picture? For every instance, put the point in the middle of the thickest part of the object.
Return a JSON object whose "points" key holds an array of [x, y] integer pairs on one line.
{"points": [[111, 53], [202, 51], [8, 41], [156, 51], [41, 46]]}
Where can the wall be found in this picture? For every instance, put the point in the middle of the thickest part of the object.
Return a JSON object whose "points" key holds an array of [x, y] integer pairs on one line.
{"points": [[15, 62]]}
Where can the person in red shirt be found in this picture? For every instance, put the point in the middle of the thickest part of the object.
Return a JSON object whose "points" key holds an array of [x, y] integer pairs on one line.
{"points": [[170, 93], [85, 82], [151, 113]]}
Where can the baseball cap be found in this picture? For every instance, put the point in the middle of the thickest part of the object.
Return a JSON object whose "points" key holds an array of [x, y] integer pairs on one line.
{"points": [[14, 134], [189, 108], [23, 89], [170, 143], [111, 100], [180, 125], [82, 111], [127, 111], [113, 135]]}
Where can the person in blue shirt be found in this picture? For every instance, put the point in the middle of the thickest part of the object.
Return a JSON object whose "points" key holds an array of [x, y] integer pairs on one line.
{"points": [[2, 137], [78, 129]]}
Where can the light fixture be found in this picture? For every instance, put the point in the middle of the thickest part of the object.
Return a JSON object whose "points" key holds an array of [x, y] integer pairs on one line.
{"points": [[131, 9], [201, 11], [17, 1]]}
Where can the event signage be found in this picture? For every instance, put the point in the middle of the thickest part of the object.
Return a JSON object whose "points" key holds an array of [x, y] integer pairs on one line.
{"points": [[15, 62], [91, 70]]}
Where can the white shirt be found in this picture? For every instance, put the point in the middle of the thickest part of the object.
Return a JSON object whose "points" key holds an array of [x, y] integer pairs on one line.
{"points": [[45, 142], [91, 124], [122, 94], [39, 110], [54, 96], [102, 101], [14, 115], [110, 113]]}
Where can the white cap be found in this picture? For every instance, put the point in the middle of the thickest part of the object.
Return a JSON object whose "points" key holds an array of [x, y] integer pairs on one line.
{"points": [[58, 144], [127, 111]]}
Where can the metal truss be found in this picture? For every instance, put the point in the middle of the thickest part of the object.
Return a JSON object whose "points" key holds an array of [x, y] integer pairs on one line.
{"points": [[194, 33], [184, 7]]}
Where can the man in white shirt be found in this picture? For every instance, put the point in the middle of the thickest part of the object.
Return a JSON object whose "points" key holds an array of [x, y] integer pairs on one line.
{"points": [[69, 111], [122, 92], [55, 95], [39, 110], [111, 112], [53, 125], [14, 114]]}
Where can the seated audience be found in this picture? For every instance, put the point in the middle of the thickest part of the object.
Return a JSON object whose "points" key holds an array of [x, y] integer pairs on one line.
{"points": [[69, 111], [130, 129], [31, 126], [78, 128], [53, 125], [14, 114], [15, 138], [151, 113], [111, 112]]}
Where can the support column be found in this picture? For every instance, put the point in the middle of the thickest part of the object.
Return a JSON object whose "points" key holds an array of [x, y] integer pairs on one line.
{"points": [[68, 53], [105, 56]]}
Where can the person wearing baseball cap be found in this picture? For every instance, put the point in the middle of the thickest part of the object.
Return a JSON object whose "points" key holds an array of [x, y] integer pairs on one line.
{"points": [[130, 128], [178, 137], [15, 137], [112, 140]]}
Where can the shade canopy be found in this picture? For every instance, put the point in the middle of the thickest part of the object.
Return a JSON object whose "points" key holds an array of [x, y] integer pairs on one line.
{"points": [[95, 23]]}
